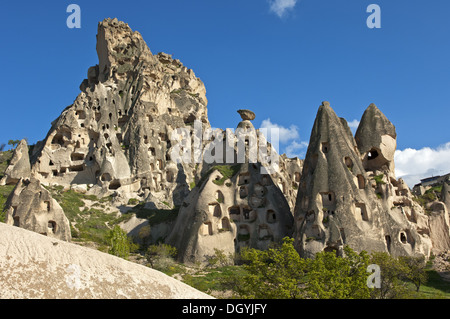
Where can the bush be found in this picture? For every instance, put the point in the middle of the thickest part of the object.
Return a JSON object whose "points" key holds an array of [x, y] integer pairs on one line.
{"points": [[161, 256], [120, 243]]}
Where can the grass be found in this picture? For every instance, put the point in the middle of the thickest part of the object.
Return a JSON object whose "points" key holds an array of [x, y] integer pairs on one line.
{"points": [[87, 225], [5, 158], [4, 193], [435, 287], [227, 172], [379, 179]]}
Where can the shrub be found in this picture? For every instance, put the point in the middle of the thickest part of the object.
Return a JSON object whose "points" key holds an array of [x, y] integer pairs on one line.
{"points": [[120, 243]]}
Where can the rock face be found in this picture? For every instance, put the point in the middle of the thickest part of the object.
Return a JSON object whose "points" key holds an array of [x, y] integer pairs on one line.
{"points": [[376, 140], [439, 221], [31, 206], [340, 202], [116, 134], [35, 266], [19, 166], [234, 206]]}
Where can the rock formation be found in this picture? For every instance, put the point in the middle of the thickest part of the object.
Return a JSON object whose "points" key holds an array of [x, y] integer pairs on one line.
{"points": [[234, 206], [19, 166], [116, 134], [439, 221], [31, 206], [37, 267], [339, 201]]}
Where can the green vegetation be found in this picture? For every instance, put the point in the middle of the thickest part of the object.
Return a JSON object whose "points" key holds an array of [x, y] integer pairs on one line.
{"points": [[87, 224], [227, 172], [13, 143], [379, 179], [178, 91], [161, 256], [280, 273], [5, 159], [120, 244], [428, 197], [4, 193], [133, 201]]}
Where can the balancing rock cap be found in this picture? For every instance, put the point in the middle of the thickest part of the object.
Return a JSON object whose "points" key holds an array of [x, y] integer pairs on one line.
{"points": [[246, 115]]}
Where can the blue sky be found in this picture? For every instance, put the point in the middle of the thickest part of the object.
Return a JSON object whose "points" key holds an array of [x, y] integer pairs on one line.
{"points": [[251, 54]]}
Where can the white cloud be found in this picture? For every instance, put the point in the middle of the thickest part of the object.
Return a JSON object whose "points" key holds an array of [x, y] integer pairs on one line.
{"points": [[280, 7], [353, 125], [413, 165], [285, 134], [296, 149]]}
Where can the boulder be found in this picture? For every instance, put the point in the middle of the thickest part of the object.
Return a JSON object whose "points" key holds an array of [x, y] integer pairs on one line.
{"points": [[38, 267], [30, 206], [246, 115], [19, 166]]}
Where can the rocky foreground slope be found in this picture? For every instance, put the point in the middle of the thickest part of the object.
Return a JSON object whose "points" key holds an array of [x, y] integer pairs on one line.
{"points": [[36, 266]]}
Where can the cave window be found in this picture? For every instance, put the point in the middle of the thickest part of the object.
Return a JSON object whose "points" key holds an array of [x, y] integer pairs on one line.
{"points": [[403, 238], [105, 177], [325, 147], [361, 182], [271, 216], [372, 154], [114, 185], [52, 226], [388, 242], [349, 163], [226, 226], [362, 211], [207, 229]]}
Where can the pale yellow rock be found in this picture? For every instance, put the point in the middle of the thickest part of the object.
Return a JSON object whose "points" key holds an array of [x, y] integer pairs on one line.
{"points": [[36, 266]]}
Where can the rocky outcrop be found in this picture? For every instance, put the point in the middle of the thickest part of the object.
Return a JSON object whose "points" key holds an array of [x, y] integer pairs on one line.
{"points": [[376, 140], [338, 202], [439, 221], [235, 205], [38, 267], [116, 134], [19, 167], [31, 206]]}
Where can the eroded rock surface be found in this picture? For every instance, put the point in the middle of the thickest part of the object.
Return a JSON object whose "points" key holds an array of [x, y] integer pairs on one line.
{"points": [[36, 266]]}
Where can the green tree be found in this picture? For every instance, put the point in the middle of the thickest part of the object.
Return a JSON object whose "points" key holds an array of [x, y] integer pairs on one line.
{"points": [[414, 270], [13, 143], [330, 276], [120, 243], [392, 272], [274, 273]]}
